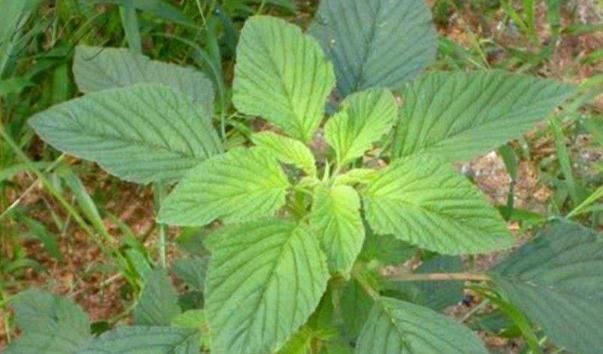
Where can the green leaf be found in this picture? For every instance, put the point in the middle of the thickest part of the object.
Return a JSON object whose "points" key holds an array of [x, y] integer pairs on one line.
{"points": [[15, 32], [102, 68], [387, 249], [356, 176], [437, 295], [40, 232], [396, 326], [50, 324], [14, 85], [147, 340], [191, 270], [287, 150], [365, 117], [158, 303], [425, 202], [273, 273], [240, 185], [300, 343], [557, 280], [461, 115], [190, 319], [375, 43], [282, 75], [129, 21], [356, 306], [142, 133], [336, 220]]}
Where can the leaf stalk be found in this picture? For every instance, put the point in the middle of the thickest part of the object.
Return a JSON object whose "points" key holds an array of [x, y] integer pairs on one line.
{"points": [[440, 277]]}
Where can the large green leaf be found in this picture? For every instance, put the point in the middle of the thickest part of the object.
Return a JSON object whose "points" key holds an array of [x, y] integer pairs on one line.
{"points": [[145, 340], [142, 133], [240, 185], [557, 280], [364, 119], [375, 42], [460, 115], [287, 150], [264, 281], [50, 324], [397, 327], [282, 75], [158, 303], [425, 202], [101, 68], [336, 219]]}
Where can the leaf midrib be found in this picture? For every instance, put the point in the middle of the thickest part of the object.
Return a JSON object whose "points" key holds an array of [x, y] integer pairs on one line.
{"points": [[125, 140]]}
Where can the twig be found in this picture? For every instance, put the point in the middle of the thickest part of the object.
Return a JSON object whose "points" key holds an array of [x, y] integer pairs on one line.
{"points": [[440, 277]]}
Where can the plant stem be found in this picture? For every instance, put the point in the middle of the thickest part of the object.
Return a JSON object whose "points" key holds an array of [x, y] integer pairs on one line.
{"points": [[159, 196], [17, 201], [439, 277], [71, 210], [47, 184], [475, 310], [5, 314], [364, 283]]}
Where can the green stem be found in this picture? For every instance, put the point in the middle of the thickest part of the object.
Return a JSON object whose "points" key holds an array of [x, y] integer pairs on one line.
{"points": [[261, 8], [586, 203], [5, 315], [475, 310], [440, 277], [59, 197], [160, 193], [365, 284], [17, 201], [129, 20], [564, 158]]}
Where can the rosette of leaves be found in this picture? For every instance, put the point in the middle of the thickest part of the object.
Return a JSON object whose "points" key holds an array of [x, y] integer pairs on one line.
{"points": [[296, 234]]}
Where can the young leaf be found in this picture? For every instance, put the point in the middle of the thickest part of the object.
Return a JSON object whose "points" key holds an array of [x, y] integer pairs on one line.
{"points": [[142, 133], [273, 273], [400, 327], [364, 118], [375, 43], [356, 176], [158, 303], [557, 279], [287, 150], [299, 343], [461, 115], [190, 319], [101, 68], [336, 219], [148, 340], [240, 185], [282, 75], [50, 324], [425, 202]]}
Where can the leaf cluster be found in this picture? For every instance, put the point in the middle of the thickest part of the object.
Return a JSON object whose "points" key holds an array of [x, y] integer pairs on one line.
{"points": [[297, 234]]}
